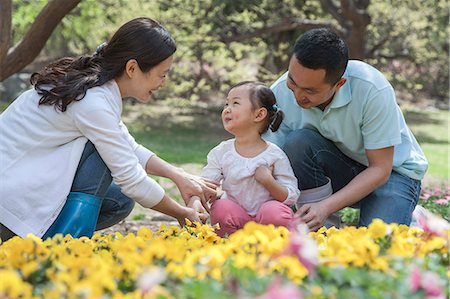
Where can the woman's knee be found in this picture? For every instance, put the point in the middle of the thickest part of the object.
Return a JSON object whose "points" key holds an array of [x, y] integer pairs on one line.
{"points": [[126, 207]]}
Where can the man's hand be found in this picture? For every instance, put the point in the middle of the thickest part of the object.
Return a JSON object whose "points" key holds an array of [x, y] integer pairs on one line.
{"points": [[313, 214]]}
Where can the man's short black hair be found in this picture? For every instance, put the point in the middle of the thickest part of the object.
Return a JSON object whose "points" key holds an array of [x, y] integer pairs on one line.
{"points": [[322, 49]]}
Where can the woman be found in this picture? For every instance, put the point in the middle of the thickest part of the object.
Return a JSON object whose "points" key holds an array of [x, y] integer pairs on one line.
{"points": [[65, 152]]}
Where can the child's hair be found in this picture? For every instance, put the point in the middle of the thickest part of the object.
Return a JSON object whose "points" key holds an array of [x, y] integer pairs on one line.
{"points": [[68, 79], [262, 97]]}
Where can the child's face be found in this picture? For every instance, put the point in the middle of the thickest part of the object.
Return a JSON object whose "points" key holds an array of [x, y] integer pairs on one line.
{"points": [[238, 115]]}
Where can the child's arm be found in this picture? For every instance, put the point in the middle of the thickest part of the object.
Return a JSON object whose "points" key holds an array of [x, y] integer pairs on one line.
{"points": [[263, 175]]}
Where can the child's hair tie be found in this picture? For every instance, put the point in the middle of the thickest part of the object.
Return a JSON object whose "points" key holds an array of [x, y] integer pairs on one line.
{"points": [[275, 107], [99, 50]]}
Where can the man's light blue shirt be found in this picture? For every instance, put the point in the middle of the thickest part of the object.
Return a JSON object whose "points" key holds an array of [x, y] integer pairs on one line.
{"points": [[362, 115]]}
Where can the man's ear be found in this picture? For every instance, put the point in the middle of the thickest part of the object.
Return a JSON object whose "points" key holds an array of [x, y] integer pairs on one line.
{"points": [[340, 83], [260, 114], [131, 67]]}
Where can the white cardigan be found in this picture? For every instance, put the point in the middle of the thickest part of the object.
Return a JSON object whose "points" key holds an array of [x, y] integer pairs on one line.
{"points": [[40, 149]]}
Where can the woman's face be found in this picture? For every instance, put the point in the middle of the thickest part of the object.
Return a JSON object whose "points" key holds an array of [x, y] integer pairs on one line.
{"points": [[141, 85]]}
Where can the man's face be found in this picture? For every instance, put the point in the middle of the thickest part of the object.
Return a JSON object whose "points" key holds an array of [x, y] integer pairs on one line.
{"points": [[309, 86]]}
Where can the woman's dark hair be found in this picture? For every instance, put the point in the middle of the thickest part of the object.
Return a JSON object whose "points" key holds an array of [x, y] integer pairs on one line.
{"points": [[68, 79], [322, 49], [262, 96]]}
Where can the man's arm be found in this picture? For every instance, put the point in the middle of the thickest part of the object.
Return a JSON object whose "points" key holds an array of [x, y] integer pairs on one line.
{"points": [[376, 174]]}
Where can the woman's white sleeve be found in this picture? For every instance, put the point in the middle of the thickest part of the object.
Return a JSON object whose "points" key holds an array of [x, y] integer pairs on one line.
{"points": [[123, 158], [142, 153]]}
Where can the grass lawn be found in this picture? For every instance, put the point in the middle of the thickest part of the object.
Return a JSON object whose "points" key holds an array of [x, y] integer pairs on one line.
{"points": [[431, 129]]}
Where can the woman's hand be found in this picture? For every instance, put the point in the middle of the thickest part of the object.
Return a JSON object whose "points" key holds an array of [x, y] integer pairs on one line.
{"points": [[188, 184], [172, 208], [196, 204], [191, 185], [192, 215]]}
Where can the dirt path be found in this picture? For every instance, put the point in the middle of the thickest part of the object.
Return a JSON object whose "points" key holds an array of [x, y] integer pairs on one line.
{"points": [[152, 220]]}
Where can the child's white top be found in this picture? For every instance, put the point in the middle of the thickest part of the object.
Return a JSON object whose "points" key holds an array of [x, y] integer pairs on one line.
{"points": [[40, 149], [237, 175]]}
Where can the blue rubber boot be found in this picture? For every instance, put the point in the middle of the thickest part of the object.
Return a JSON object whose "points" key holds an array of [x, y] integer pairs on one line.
{"points": [[78, 217]]}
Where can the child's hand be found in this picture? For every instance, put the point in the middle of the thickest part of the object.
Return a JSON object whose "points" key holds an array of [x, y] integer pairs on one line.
{"points": [[196, 204], [263, 174]]}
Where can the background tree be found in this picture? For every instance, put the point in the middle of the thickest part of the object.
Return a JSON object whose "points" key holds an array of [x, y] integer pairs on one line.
{"points": [[14, 57], [221, 42]]}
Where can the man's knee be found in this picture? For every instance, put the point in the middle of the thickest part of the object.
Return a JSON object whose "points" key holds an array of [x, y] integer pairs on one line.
{"points": [[300, 141]]}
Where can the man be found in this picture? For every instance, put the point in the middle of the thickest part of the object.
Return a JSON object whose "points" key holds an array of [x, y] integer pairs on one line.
{"points": [[345, 135]]}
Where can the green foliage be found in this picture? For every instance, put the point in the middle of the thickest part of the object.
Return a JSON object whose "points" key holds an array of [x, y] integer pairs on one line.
{"points": [[349, 216], [406, 39], [414, 43], [140, 216]]}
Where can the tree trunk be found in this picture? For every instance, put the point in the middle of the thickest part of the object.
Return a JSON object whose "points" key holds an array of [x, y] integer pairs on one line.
{"points": [[13, 59], [353, 17]]}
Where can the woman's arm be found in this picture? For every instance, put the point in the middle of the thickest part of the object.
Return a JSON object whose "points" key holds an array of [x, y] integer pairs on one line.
{"points": [[188, 184], [170, 207]]}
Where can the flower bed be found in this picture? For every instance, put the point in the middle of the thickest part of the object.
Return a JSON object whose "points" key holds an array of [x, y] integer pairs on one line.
{"points": [[381, 261]]}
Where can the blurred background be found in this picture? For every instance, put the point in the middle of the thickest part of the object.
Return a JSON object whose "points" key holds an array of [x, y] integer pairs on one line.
{"points": [[221, 42]]}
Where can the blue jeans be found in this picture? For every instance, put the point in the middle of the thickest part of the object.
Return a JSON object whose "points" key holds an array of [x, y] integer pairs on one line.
{"points": [[314, 158], [93, 177]]}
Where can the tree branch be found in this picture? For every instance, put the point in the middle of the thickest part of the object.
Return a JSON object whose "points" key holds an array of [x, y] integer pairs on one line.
{"points": [[330, 7], [371, 52], [5, 28], [287, 25], [33, 42]]}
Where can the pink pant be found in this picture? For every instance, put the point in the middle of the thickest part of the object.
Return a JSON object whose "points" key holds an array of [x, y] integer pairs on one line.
{"points": [[232, 216]]}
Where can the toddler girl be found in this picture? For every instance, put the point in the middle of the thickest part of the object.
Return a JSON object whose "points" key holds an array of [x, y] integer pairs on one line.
{"points": [[256, 176]]}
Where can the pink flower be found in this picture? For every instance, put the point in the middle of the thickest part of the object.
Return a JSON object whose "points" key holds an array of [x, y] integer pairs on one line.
{"points": [[442, 201], [425, 196], [149, 279], [277, 290], [415, 280], [303, 247], [428, 282], [431, 223]]}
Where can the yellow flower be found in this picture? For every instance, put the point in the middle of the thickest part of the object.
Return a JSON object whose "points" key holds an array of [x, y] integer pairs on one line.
{"points": [[12, 286], [377, 229]]}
